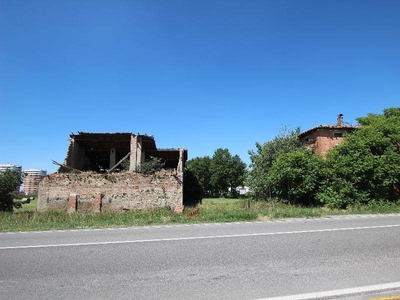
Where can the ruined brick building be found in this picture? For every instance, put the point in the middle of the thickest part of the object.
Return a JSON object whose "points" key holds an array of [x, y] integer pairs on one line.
{"points": [[324, 137], [92, 177]]}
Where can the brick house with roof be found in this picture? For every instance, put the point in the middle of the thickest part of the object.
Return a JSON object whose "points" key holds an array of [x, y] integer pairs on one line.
{"points": [[324, 137]]}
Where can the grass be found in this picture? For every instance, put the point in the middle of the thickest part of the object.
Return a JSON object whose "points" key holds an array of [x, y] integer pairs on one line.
{"points": [[31, 206], [211, 210]]}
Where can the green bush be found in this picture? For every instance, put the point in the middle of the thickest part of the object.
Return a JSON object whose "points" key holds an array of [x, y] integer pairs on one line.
{"points": [[295, 176], [366, 166], [150, 166], [9, 182]]}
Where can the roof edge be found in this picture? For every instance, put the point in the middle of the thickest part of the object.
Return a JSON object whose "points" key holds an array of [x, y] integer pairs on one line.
{"points": [[327, 127]]}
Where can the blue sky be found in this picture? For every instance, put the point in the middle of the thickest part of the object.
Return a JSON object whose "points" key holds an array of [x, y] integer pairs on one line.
{"points": [[195, 74]]}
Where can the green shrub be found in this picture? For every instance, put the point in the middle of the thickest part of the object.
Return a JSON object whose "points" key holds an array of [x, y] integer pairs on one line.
{"points": [[150, 166], [9, 182], [295, 176]]}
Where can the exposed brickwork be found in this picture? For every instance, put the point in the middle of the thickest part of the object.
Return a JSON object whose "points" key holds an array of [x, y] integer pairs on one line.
{"points": [[194, 213], [323, 144], [323, 140], [119, 191], [320, 140], [72, 202], [179, 209], [97, 203]]}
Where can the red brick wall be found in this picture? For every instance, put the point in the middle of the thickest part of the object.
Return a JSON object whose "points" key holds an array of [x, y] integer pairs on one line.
{"points": [[322, 140], [326, 141], [31, 184], [117, 191]]}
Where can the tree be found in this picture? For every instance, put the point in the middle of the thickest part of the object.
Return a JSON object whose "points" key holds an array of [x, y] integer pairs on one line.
{"points": [[192, 190], [366, 166], [237, 175], [227, 172], [9, 182], [218, 174], [261, 161], [200, 167], [295, 176]]}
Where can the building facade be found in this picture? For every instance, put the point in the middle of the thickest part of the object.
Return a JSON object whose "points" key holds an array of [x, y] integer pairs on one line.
{"points": [[102, 172], [324, 137], [32, 179], [104, 152], [11, 167]]}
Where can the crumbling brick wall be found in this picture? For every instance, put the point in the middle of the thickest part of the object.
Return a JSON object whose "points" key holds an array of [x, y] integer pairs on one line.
{"points": [[116, 191]]}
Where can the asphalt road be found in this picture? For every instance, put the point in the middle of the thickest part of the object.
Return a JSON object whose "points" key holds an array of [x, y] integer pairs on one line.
{"points": [[211, 261]]}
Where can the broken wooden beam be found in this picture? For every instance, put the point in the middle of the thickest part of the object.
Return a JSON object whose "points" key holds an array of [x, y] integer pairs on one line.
{"points": [[65, 166], [118, 163]]}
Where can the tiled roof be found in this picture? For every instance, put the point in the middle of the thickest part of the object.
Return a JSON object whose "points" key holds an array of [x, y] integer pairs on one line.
{"points": [[327, 127]]}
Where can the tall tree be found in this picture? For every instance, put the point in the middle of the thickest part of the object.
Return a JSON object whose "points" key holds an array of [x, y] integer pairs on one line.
{"points": [[295, 176], [9, 182], [262, 159], [237, 174], [220, 170], [218, 174], [227, 171], [200, 168]]}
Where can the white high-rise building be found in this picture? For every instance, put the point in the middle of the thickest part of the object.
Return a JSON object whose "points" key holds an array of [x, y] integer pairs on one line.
{"points": [[12, 167], [32, 179], [36, 172]]}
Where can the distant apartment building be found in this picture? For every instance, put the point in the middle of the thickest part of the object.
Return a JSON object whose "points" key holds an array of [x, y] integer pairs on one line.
{"points": [[32, 179], [11, 167], [324, 137]]}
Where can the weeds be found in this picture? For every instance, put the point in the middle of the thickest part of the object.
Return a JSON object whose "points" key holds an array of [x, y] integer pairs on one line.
{"points": [[211, 211]]}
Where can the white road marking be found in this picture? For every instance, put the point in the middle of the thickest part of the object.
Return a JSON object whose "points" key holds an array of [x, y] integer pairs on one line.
{"points": [[343, 292], [201, 237]]}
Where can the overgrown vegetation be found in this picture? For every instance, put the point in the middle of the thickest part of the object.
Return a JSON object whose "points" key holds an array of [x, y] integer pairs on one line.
{"points": [[263, 158], [152, 165], [364, 169], [9, 183], [366, 166], [210, 211], [296, 175]]}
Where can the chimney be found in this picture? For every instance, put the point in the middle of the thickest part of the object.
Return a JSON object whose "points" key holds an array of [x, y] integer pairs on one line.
{"points": [[340, 122]]}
